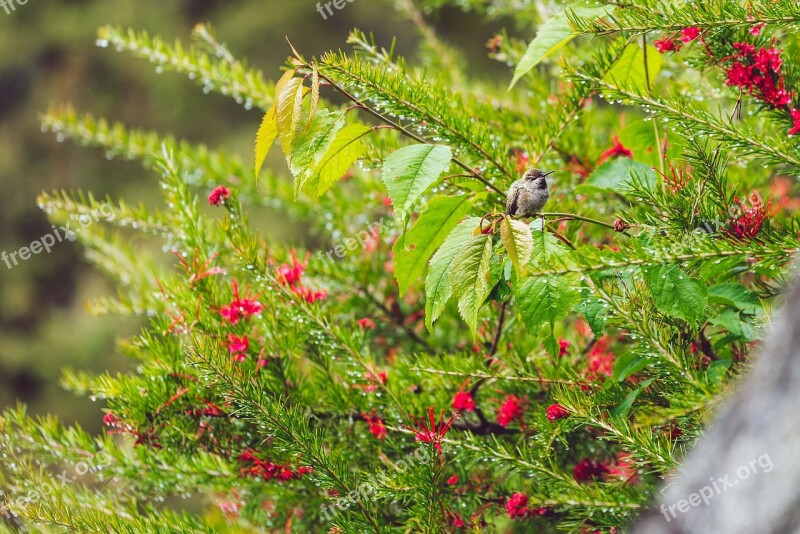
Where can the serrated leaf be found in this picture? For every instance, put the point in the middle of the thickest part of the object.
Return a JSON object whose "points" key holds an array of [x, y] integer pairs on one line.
{"points": [[735, 295], [544, 300], [616, 175], [267, 133], [594, 310], [517, 240], [547, 250], [675, 293], [629, 73], [311, 144], [437, 283], [470, 278], [314, 94], [413, 250], [288, 106], [345, 150], [409, 171], [552, 35]]}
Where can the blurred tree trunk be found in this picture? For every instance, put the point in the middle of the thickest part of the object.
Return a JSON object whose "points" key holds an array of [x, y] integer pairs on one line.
{"points": [[744, 475]]}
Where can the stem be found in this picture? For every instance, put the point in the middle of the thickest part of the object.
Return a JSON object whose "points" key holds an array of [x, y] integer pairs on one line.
{"points": [[408, 133], [576, 217]]}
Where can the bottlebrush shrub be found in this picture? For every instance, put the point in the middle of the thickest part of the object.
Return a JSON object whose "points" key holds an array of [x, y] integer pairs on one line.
{"points": [[436, 365]]}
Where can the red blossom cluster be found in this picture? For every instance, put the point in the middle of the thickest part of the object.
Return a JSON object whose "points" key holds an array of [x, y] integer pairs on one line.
{"points": [[749, 223], [563, 348], [617, 150], [510, 411], [674, 42], [601, 359], [428, 431], [376, 426], [268, 470], [366, 323], [463, 402], [757, 71], [588, 469], [239, 307], [218, 195], [290, 276], [517, 507], [555, 412], [238, 346]]}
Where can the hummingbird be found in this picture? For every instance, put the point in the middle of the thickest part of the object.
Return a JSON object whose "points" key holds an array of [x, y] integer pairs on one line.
{"points": [[528, 195]]}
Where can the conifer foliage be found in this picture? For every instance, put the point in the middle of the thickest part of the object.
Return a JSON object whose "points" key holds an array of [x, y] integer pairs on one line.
{"points": [[435, 365]]}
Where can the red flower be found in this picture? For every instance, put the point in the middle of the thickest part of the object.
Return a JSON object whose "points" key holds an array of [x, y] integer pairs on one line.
{"points": [[240, 307], [428, 431], [376, 426], [219, 194], [452, 480], [563, 347], [523, 160], [618, 150], [309, 295], [624, 468], [365, 323], [510, 411], [755, 30], [588, 469], [601, 360], [690, 34], [238, 346], [758, 72], [463, 401], [667, 45], [795, 115], [556, 412], [110, 419], [517, 506], [290, 274], [749, 224]]}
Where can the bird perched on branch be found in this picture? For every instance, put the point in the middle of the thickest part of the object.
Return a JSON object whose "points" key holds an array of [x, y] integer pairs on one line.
{"points": [[528, 195]]}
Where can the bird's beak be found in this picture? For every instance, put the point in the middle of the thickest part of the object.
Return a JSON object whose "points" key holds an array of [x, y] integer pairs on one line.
{"points": [[548, 173]]}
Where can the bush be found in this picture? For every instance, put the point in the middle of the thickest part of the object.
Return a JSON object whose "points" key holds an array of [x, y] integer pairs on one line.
{"points": [[436, 364]]}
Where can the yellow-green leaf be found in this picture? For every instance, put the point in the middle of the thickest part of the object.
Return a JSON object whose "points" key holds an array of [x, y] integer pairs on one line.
{"points": [[267, 132], [518, 241], [629, 73], [288, 106]]}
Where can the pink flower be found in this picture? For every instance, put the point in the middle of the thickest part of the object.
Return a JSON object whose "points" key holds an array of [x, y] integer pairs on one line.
{"points": [[218, 195], [376, 426], [690, 34], [617, 150], [755, 30], [510, 411], [463, 402], [365, 323], [428, 431], [240, 307], [517, 506], [588, 469], [556, 412], [563, 347], [795, 115], [667, 45], [452, 480]]}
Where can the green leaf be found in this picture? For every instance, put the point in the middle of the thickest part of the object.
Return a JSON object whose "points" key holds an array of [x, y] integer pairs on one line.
{"points": [[311, 144], [675, 293], [544, 300], [518, 241], [624, 407], [470, 276], [629, 73], [412, 250], [554, 33], [627, 365], [594, 310], [437, 283], [345, 150], [734, 295], [267, 132], [288, 105], [409, 171], [547, 250], [717, 369], [616, 174]]}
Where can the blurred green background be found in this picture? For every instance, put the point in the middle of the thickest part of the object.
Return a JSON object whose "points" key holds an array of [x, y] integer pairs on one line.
{"points": [[48, 56]]}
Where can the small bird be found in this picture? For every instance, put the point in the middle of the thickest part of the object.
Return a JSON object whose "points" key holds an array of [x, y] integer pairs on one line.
{"points": [[528, 195]]}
